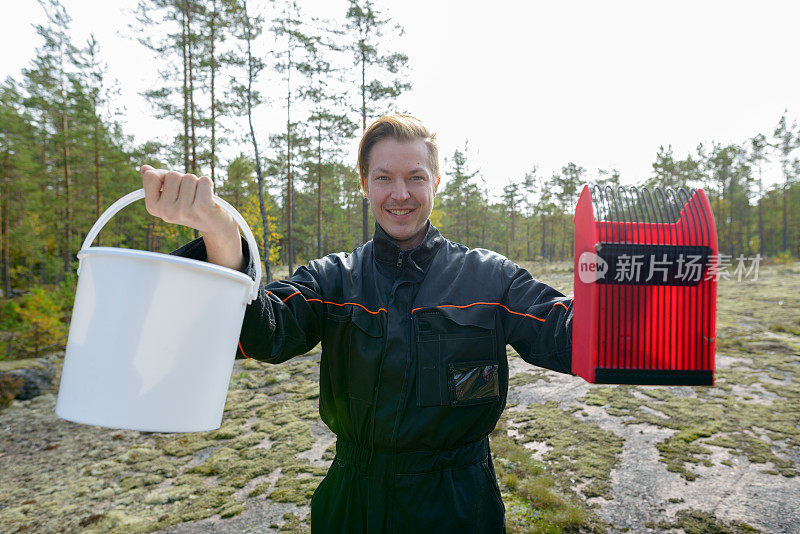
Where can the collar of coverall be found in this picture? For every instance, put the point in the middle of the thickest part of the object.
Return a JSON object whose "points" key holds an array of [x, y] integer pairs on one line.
{"points": [[387, 251]]}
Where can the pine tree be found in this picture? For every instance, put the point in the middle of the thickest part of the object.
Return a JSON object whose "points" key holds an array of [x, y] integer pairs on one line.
{"points": [[92, 94], [786, 141], [531, 186], [380, 73], [48, 86], [511, 196], [758, 145], [244, 99], [328, 118], [569, 182], [461, 196], [297, 43], [177, 44], [19, 190]]}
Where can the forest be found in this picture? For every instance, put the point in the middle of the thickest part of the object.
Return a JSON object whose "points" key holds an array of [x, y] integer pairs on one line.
{"points": [[65, 157]]}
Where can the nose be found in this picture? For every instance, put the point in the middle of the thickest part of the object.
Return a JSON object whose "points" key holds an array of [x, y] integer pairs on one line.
{"points": [[400, 191]]}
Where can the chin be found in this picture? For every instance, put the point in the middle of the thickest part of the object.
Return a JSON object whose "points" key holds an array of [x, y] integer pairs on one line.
{"points": [[403, 233], [397, 234]]}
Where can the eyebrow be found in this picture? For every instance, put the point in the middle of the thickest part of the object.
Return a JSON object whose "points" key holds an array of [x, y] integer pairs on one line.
{"points": [[387, 171]]}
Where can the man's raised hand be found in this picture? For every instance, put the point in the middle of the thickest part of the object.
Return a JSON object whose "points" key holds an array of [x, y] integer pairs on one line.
{"points": [[187, 200]]}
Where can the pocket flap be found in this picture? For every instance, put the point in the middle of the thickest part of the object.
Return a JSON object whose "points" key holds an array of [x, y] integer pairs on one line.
{"points": [[369, 323], [480, 315]]}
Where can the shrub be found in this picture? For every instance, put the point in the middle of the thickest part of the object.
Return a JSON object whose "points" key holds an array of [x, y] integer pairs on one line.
{"points": [[784, 258], [8, 315], [64, 295], [40, 327]]}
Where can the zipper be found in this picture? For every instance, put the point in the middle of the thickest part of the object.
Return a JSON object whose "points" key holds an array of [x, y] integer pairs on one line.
{"points": [[400, 260]]}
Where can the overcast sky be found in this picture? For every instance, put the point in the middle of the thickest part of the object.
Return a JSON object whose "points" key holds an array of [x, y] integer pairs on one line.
{"points": [[601, 84]]}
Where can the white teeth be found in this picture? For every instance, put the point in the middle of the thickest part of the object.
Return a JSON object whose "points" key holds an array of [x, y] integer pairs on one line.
{"points": [[399, 212]]}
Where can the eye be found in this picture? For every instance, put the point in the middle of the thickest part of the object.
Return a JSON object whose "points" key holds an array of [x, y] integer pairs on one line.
{"points": [[418, 178], [381, 177]]}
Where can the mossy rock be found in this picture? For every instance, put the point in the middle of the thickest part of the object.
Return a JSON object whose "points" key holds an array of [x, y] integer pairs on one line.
{"points": [[184, 444], [135, 455], [227, 431], [23, 363], [140, 481], [699, 522], [578, 448], [533, 497], [24, 379]]}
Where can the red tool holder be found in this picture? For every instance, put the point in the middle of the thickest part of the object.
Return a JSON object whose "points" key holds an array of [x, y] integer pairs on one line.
{"points": [[645, 287]]}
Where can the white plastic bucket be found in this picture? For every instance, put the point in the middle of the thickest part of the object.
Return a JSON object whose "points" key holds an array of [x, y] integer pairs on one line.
{"points": [[153, 337]]}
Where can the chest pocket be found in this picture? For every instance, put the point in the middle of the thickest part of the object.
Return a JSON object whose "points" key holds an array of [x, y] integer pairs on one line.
{"points": [[457, 362], [352, 344], [366, 346]]}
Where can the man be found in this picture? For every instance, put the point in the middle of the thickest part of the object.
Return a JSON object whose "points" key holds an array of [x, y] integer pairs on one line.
{"points": [[413, 371]]}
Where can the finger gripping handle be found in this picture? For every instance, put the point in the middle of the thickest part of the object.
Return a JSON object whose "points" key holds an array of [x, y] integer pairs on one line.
{"points": [[112, 210]]}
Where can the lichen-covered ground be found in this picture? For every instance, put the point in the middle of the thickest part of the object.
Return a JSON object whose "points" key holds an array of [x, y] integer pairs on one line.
{"points": [[569, 455]]}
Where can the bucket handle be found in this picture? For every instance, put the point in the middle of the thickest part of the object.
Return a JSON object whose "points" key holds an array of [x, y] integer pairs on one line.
{"points": [[112, 210]]}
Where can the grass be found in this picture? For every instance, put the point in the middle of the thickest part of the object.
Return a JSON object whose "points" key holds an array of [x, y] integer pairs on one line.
{"points": [[534, 499]]}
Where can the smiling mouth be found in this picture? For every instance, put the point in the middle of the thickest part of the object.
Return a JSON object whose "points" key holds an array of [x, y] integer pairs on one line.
{"points": [[400, 212]]}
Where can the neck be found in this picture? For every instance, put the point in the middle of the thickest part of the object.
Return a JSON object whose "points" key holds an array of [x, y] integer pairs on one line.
{"points": [[413, 241]]}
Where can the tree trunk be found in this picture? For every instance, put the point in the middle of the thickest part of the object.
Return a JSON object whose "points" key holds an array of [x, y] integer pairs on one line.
{"points": [[262, 205], [319, 189], [528, 239], [4, 232], [68, 199], [544, 235], [483, 223], [730, 215], [364, 202], [760, 214], [465, 204], [96, 169], [213, 102], [511, 243], [785, 240], [42, 269], [289, 189], [191, 97], [191, 93], [184, 46]]}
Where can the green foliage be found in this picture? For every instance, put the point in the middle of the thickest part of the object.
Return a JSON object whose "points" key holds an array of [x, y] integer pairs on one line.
{"points": [[64, 295], [40, 327], [701, 522], [534, 502], [8, 314]]}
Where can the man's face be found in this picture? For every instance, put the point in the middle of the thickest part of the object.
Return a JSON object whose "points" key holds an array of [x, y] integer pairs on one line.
{"points": [[400, 187]]}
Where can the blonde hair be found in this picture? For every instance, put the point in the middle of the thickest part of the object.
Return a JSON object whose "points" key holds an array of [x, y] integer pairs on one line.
{"points": [[401, 127]]}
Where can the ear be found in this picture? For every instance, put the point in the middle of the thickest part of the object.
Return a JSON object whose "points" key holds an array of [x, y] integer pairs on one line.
{"points": [[436, 186]]}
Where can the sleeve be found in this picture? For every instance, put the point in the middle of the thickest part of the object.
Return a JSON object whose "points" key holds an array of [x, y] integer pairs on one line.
{"points": [[539, 322], [284, 320]]}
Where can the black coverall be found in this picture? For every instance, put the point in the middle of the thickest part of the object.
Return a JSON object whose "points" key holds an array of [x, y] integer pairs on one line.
{"points": [[413, 374]]}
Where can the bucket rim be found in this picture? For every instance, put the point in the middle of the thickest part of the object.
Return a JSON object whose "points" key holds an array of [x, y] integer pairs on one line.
{"points": [[190, 263]]}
